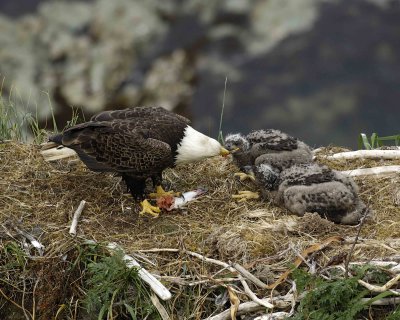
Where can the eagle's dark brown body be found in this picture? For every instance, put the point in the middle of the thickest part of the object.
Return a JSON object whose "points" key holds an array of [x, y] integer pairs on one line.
{"points": [[138, 143]]}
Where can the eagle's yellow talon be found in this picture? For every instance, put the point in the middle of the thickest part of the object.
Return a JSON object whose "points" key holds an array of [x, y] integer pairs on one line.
{"points": [[160, 192], [245, 195], [243, 176], [150, 209]]}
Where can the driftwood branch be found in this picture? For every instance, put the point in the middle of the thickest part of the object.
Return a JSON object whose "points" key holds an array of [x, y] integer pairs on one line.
{"points": [[366, 154], [160, 308], [58, 153], [274, 316], [377, 171], [248, 307], [383, 288], [383, 301], [75, 218], [249, 276], [253, 296], [146, 276]]}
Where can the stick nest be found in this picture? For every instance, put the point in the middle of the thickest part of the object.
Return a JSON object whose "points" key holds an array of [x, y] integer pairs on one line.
{"points": [[40, 198]]}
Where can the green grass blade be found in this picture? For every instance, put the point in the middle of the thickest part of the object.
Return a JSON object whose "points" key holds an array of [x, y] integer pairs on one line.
{"points": [[131, 311], [374, 140], [220, 135], [378, 297], [363, 141]]}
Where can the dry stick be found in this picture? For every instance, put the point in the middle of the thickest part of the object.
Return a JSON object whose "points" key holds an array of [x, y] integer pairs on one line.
{"points": [[366, 154], [383, 301], [383, 288], [346, 265], [274, 316], [77, 214], [249, 276], [57, 154], [16, 304], [247, 289], [250, 293], [160, 308], [253, 296], [378, 171], [248, 307], [146, 276]]}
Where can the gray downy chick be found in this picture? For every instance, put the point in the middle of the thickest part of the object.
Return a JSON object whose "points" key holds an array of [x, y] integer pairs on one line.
{"points": [[272, 147], [278, 149], [314, 188]]}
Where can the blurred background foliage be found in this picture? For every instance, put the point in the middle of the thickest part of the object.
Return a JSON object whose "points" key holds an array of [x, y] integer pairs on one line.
{"points": [[322, 70]]}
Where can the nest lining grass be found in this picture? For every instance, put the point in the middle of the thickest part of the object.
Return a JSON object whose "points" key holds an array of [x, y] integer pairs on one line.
{"points": [[41, 197]]}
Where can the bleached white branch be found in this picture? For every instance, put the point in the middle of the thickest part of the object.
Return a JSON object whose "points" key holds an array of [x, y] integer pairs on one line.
{"points": [[366, 154], [249, 276], [274, 316], [383, 301], [248, 307], [58, 153], [77, 214], [146, 276], [160, 308], [253, 296], [378, 171], [383, 288]]}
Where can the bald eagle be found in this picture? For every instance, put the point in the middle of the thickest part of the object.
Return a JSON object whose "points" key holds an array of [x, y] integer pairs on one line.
{"points": [[138, 143]]}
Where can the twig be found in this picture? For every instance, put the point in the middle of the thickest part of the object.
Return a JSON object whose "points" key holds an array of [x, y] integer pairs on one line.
{"points": [[378, 171], [346, 265], [146, 276], [160, 308], [382, 302], [383, 288], [366, 154], [225, 265], [77, 214], [15, 304], [253, 296], [249, 276], [57, 153], [210, 260], [248, 307], [23, 302], [220, 135], [274, 316]]}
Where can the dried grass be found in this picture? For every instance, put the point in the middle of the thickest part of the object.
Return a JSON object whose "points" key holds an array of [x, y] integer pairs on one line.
{"points": [[265, 239]]}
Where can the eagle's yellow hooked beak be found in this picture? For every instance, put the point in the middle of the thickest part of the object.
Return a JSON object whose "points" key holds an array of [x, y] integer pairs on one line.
{"points": [[223, 152]]}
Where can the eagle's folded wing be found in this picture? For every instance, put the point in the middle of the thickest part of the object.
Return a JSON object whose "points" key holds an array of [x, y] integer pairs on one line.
{"points": [[105, 146]]}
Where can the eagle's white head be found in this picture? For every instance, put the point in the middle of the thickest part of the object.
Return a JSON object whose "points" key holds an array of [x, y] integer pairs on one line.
{"points": [[196, 146]]}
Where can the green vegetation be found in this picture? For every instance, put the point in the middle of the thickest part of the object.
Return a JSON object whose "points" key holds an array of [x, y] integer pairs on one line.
{"points": [[340, 298], [113, 290], [375, 141], [102, 286], [20, 125], [220, 133]]}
